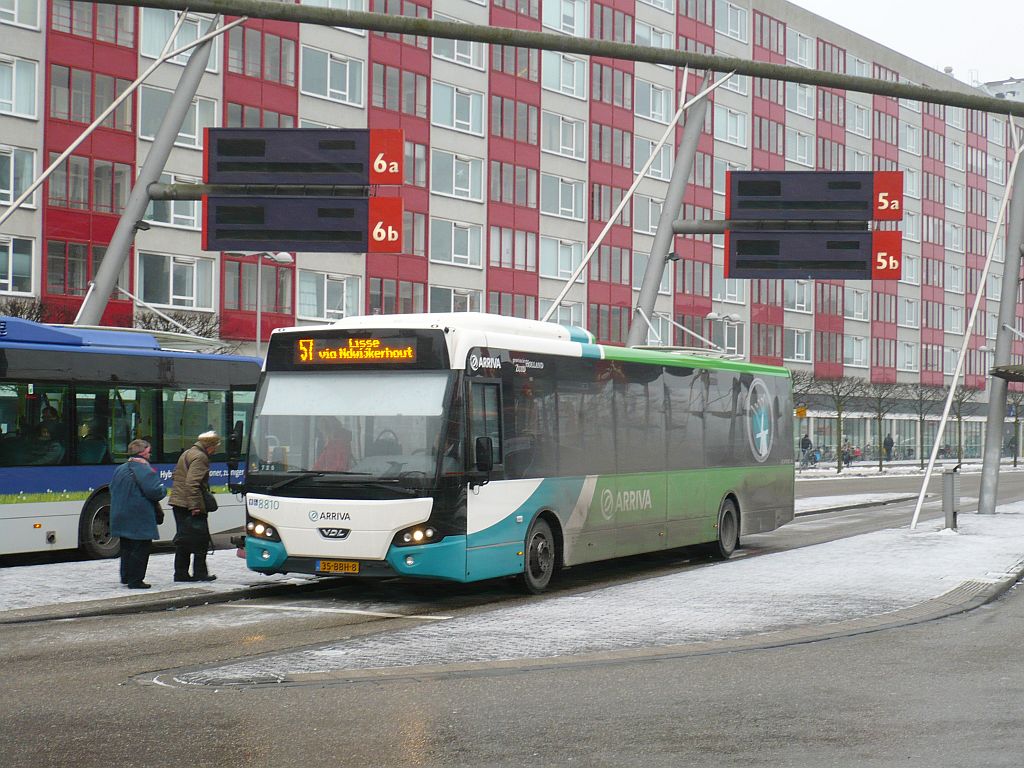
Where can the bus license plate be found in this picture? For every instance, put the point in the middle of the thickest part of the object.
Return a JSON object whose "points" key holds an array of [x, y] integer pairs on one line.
{"points": [[337, 566]]}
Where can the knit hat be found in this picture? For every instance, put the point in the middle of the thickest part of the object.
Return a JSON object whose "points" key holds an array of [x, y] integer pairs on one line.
{"points": [[209, 439]]}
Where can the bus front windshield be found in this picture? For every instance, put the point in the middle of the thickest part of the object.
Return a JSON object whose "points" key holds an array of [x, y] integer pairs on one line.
{"points": [[374, 425]]}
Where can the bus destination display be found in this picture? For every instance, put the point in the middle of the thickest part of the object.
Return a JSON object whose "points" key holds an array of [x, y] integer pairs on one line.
{"points": [[353, 351]]}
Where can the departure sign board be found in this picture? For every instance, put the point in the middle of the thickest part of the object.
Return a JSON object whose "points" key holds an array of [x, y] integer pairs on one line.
{"points": [[355, 351], [339, 156], [814, 196], [818, 255]]}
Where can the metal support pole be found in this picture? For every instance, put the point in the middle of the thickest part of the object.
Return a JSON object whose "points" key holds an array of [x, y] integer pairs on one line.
{"points": [[669, 211], [1007, 314], [259, 302], [95, 303], [958, 368]]}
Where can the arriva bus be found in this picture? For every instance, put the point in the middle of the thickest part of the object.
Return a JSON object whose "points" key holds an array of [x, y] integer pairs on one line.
{"points": [[471, 446], [71, 399]]}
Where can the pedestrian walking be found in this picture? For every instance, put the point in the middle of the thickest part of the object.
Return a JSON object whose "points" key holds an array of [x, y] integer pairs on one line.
{"points": [[887, 444], [135, 493], [805, 450], [192, 502]]}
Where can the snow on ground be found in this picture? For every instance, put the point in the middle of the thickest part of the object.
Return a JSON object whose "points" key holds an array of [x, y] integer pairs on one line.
{"points": [[851, 578]]}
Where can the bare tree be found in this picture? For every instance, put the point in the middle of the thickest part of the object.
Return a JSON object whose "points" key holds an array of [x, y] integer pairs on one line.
{"points": [[882, 399], [27, 309], [199, 323], [924, 401], [1015, 398], [961, 397], [840, 391]]}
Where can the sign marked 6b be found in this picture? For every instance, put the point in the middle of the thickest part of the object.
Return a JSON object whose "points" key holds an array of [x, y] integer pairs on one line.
{"points": [[385, 223]]}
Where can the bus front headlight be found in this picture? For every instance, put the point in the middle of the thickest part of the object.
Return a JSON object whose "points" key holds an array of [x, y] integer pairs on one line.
{"points": [[419, 534], [258, 529]]}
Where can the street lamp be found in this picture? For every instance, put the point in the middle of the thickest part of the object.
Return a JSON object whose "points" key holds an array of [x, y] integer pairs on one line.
{"points": [[280, 257]]}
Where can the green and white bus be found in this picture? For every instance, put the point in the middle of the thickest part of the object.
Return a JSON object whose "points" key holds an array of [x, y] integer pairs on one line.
{"points": [[470, 446]]}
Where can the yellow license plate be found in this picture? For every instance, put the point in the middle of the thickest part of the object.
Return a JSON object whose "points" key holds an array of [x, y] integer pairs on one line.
{"points": [[337, 566]]}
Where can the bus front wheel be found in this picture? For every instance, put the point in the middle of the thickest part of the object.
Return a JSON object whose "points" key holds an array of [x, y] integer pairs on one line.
{"points": [[94, 529], [539, 558], [728, 531]]}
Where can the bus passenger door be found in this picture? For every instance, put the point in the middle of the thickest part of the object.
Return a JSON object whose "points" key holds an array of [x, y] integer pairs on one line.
{"points": [[494, 540]]}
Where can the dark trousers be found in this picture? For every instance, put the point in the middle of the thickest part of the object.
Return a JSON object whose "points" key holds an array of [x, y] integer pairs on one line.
{"points": [[191, 541], [134, 559]]}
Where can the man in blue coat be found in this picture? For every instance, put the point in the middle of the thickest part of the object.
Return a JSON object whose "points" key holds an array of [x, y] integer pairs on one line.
{"points": [[135, 490]]}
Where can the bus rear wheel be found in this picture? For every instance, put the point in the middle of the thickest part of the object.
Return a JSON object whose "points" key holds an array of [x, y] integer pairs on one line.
{"points": [[94, 529], [728, 531], [539, 558]]}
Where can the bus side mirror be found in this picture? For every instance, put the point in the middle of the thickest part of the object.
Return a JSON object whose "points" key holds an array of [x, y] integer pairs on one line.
{"points": [[484, 454]]}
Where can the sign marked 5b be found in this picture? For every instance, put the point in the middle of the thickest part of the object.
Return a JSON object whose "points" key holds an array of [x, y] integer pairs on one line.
{"points": [[886, 255]]}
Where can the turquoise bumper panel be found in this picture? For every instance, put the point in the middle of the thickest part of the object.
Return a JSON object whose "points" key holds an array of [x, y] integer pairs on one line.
{"points": [[444, 560], [592, 351], [264, 556]]}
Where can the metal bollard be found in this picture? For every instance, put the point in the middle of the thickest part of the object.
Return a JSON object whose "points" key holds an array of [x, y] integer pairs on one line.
{"points": [[951, 495]]}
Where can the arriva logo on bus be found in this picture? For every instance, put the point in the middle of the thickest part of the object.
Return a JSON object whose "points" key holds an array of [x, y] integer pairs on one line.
{"points": [[315, 515], [624, 501], [476, 362]]}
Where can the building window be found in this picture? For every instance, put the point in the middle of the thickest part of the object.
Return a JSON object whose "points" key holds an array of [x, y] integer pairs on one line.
{"points": [[561, 197], [911, 269], [562, 136], [564, 74], [16, 258], [333, 77], [855, 351], [176, 213], [954, 319], [414, 230], [66, 267], [568, 16], [661, 168], [799, 147], [652, 101], [454, 299], [389, 297], [796, 345], [560, 258], [452, 242], [800, 99], [458, 108], [567, 313], [513, 249], [157, 25], [175, 281], [17, 87], [910, 138], [797, 295], [110, 185], [859, 120], [640, 261], [69, 183], [463, 52], [646, 213], [22, 13], [906, 356], [456, 175], [415, 164], [17, 171], [908, 314], [153, 105], [512, 305], [324, 296], [240, 287], [799, 48], [731, 20], [731, 126]]}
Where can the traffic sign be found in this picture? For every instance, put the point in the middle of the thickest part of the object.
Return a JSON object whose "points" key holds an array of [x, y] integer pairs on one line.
{"points": [[814, 196], [338, 156], [316, 224], [819, 255]]}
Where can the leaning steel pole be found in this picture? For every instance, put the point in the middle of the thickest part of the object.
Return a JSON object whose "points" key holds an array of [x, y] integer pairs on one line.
{"points": [[1007, 317], [694, 122], [117, 252]]}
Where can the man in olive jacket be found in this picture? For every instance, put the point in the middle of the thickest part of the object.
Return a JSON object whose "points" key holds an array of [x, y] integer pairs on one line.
{"points": [[191, 476]]}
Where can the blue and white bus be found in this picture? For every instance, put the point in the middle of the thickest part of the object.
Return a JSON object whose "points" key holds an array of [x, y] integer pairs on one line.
{"points": [[71, 399], [471, 446]]}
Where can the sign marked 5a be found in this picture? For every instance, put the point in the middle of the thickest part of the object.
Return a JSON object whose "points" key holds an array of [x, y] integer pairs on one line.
{"points": [[886, 255], [385, 225], [888, 196]]}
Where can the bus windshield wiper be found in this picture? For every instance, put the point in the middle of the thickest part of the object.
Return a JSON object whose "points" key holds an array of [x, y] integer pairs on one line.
{"points": [[294, 479]]}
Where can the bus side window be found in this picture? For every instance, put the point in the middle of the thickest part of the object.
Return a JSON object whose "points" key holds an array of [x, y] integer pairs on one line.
{"points": [[484, 417]]}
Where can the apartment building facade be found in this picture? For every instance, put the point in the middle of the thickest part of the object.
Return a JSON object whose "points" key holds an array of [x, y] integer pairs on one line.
{"points": [[515, 161]]}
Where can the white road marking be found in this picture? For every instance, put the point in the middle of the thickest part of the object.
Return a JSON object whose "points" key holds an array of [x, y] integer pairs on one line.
{"points": [[311, 609]]}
